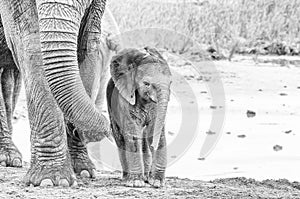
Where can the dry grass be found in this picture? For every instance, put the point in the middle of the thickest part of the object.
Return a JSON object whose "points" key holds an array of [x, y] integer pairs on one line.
{"points": [[223, 24]]}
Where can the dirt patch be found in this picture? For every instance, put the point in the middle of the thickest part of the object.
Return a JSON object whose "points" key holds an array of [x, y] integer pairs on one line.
{"points": [[109, 185]]}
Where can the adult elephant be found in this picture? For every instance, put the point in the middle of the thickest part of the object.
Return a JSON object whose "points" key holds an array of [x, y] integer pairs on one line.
{"points": [[43, 38]]}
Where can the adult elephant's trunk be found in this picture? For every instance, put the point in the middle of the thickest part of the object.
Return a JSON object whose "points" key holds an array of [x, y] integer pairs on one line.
{"points": [[59, 23], [162, 105]]}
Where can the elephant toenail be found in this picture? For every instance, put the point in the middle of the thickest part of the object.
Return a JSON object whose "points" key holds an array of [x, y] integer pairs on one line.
{"points": [[17, 162], [46, 183], [3, 164], [85, 174], [63, 183]]}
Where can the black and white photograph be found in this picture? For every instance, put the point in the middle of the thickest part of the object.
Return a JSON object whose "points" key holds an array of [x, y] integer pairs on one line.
{"points": [[150, 99]]}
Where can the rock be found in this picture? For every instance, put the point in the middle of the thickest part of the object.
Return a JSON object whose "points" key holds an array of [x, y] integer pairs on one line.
{"points": [[228, 133], [213, 107], [250, 114], [277, 148]]}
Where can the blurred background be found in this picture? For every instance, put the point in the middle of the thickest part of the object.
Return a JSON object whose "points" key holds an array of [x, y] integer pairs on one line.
{"points": [[228, 26]]}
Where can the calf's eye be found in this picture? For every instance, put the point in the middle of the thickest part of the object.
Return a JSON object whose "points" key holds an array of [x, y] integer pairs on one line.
{"points": [[146, 83]]}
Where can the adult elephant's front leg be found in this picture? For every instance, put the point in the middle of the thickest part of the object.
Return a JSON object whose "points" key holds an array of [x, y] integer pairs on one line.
{"points": [[50, 160]]}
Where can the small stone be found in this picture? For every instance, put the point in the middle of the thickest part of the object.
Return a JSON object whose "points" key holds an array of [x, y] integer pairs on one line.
{"points": [[213, 107], [171, 133], [199, 78], [288, 132], [277, 148], [260, 90], [201, 158], [210, 132], [203, 92], [283, 94], [241, 136], [250, 114], [75, 184], [235, 168], [228, 133]]}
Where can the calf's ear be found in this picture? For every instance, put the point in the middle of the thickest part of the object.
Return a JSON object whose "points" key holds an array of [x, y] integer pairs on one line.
{"points": [[123, 69]]}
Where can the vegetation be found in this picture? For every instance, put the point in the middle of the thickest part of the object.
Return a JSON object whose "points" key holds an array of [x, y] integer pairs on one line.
{"points": [[251, 26]]}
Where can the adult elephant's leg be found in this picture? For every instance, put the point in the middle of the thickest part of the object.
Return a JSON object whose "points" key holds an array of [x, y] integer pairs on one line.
{"points": [[80, 160], [17, 87], [9, 154], [50, 161], [11, 86]]}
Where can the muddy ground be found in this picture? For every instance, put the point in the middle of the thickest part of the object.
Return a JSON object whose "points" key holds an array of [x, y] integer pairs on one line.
{"points": [[109, 185]]}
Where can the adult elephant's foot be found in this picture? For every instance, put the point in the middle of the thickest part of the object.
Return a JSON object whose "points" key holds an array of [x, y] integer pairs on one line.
{"points": [[80, 160], [10, 156], [82, 164], [51, 173], [134, 180]]}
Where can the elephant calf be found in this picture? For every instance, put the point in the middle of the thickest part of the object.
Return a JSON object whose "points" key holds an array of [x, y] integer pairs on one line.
{"points": [[137, 97]]}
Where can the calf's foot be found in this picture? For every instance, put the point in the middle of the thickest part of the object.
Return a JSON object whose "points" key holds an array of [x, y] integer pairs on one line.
{"points": [[157, 179], [134, 180]]}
